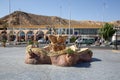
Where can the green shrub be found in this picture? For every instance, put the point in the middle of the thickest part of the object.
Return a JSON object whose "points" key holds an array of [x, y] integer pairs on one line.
{"points": [[4, 41], [72, 39], [70, 51], [30, 42]]}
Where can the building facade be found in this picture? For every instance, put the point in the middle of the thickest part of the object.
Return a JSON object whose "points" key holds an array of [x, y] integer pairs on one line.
{"points": [[24, 34]]}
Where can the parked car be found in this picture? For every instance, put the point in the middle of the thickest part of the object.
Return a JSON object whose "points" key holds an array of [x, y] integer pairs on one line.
{"points": [[67, 40], [42, 40], [114, 42], [78, 41], [85, 41]]}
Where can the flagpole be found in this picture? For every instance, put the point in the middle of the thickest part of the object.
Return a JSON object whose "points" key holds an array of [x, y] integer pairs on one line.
{"points": [[60, 18], [104, 5], [9, 6], [9, 19], [10, 16], [9, 11], [69, 20]]}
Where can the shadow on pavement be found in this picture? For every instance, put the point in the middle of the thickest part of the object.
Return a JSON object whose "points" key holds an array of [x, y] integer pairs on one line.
{"points": [[83, 65], [86, 64], [95, 59]]}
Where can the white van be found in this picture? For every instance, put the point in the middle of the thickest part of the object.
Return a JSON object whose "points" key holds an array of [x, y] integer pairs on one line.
{"points": [[85, 41]]}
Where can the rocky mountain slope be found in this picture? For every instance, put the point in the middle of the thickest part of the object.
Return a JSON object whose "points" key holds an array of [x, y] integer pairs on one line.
{"points": [[23, 18]]}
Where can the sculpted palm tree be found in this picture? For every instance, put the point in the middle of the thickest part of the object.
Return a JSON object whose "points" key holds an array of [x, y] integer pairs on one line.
{"points": [[107, 31]]}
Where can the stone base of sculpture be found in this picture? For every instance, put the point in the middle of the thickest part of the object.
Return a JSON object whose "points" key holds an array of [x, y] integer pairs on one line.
{"points": [[42, 56], [57, 53], [36, 56]]}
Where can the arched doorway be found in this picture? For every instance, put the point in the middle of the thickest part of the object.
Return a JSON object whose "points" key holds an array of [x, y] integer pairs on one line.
{"points": [[21, 36], [30, 35], [39, 35]]}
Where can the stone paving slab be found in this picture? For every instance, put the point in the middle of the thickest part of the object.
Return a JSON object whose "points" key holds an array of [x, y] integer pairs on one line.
{"points": [[105, 65]]}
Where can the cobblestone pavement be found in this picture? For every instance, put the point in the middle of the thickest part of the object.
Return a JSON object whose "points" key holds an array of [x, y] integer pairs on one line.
{"points": [[105, 65]]}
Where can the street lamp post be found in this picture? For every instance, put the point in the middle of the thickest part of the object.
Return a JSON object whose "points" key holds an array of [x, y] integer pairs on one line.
{"points": [[116, 40], [115, 37]]}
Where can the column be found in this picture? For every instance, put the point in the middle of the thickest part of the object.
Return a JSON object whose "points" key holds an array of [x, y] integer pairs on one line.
{"points": [[73, 31]]}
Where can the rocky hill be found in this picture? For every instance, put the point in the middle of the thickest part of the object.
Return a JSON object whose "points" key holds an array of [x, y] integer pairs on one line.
{"points": [[23, 18]]}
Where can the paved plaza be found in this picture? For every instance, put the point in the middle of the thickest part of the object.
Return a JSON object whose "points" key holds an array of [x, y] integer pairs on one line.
{"points": [[105, 65]]}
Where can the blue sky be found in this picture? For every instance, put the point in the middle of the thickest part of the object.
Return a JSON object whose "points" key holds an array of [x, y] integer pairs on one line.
{"points": [[95, 10]]}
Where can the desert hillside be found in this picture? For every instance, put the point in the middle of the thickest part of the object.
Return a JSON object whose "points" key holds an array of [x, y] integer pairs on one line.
{"points": [[27, 19]]}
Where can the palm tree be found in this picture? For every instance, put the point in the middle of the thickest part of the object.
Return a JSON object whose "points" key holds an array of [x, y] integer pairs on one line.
{"points": [[4, 33], [107, 31], [4, 38]]}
